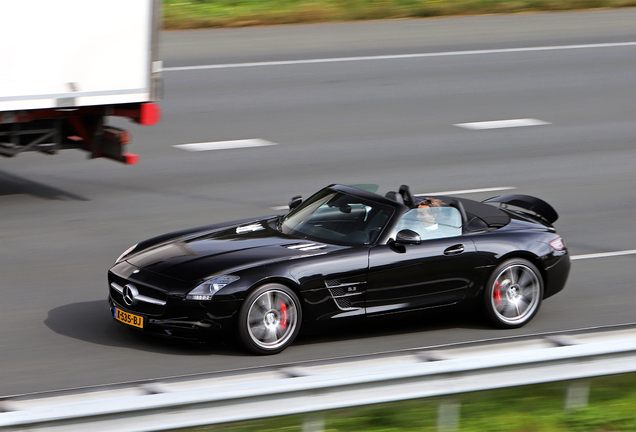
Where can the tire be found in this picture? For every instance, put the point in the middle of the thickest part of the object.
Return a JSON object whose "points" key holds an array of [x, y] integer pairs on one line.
{"points": [[269, 319], [513, 294]]}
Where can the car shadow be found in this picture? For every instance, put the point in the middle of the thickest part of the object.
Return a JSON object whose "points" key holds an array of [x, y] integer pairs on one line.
{"points": [[395, 325], [91, 322], [14, 185]]}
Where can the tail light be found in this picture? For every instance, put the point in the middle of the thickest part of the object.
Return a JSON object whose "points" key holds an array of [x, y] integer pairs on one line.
{"points": [[558, 244]]}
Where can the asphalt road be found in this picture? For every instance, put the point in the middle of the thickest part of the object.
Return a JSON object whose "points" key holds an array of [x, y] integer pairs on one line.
{"points": [[63, 219]]}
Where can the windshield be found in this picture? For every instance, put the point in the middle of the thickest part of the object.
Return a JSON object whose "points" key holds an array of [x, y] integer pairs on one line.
{"points": [[335, 217]]}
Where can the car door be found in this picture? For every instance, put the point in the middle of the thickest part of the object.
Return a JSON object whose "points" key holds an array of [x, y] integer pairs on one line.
{"points": [[438, 271]]}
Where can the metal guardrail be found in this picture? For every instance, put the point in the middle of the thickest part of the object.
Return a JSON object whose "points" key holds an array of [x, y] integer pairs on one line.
{"points": [[412, 375]]}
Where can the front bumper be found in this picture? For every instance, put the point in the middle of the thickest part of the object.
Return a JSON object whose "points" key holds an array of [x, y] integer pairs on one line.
{"points": [[160, 301], [173, 328]]}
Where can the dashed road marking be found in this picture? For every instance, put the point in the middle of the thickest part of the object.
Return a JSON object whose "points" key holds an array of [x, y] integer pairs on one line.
{"points": [[603, 255], [223, 145], [501, 124]]}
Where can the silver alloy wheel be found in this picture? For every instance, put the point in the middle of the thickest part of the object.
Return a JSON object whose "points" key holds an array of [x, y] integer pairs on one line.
{"points": [[272, 319], [516, 294]]}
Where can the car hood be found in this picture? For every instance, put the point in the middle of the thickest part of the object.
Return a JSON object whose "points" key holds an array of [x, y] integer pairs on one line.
{"points": [[196, 257]]}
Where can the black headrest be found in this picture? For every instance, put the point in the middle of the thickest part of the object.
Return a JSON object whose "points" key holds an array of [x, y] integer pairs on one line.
{"points": [[395, 197], [459, 206], [409, 201]]}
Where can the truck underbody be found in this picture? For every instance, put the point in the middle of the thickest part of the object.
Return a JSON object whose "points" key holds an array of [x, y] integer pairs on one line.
{"points": [[84, 128]]}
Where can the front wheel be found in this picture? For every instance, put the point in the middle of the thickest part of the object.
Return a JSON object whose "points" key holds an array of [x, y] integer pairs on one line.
{"points": [[269, 319], [513, 294]]}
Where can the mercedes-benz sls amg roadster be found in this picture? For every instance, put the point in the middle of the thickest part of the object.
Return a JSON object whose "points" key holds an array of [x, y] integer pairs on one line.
{"points": [[343, 253]]}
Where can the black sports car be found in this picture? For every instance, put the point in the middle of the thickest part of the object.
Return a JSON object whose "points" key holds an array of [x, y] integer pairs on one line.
{"points": [[344, 252]]}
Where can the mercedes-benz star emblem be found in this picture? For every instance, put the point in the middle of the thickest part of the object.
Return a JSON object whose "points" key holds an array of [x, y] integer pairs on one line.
{"points": [[130, 294]]}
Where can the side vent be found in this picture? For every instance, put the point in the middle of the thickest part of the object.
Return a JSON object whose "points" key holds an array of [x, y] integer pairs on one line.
{"points": [[342, 293], [337, 292], [344, 303]]}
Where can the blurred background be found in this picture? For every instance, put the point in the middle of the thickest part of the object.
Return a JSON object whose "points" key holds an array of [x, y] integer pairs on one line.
{"points": [[347, 91]]}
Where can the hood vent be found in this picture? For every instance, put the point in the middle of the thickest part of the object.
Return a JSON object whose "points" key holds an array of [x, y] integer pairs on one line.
{"points": [[249, 228], [306, 246]]}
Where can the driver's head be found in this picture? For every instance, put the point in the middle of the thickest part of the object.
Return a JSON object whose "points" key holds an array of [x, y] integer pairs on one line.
{"points": [[423, 209]]}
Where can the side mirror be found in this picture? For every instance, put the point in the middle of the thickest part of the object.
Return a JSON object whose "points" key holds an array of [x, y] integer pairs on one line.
{"points": [[295, 202], [407, 236]]}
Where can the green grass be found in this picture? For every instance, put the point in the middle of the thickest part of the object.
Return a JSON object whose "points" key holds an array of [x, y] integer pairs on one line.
{"points": [[538, 408], [189, 14]]}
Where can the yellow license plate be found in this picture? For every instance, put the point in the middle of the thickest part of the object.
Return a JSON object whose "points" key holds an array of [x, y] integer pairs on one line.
{"points": [[128, 318]]}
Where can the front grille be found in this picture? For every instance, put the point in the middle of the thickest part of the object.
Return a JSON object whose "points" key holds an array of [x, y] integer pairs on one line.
{"points": [[151, 292], [141, 307], [145, 290], [333, 282]]}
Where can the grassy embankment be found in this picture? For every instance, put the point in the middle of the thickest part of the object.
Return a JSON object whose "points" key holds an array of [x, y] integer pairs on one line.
{"points": [[189, 14], [537, 408]]}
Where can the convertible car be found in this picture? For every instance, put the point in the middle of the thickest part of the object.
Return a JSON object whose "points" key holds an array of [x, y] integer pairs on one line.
{"points": [[343, 253]]}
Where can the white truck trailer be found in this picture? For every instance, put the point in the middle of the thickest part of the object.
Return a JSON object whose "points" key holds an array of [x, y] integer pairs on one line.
{"points": [[66, 65]]}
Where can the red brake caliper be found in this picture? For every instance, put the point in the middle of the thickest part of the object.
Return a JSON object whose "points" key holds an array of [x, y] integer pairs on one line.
{"points": [[283, 314], [498, 298]]}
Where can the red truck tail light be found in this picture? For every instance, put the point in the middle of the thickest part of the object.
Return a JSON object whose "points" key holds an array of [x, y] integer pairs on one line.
{"points": [[150, 114]]}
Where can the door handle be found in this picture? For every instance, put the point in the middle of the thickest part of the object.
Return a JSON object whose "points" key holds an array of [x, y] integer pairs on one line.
{"points": [[454, 250]]}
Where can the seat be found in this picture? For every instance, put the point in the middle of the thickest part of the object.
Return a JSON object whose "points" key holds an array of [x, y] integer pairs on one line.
{"points": [[395, 197], [407, 196], [459, 206]]}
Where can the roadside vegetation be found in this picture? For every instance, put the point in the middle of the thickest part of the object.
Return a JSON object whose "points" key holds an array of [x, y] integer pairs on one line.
{"points": [[537, 408], [191, 14]]}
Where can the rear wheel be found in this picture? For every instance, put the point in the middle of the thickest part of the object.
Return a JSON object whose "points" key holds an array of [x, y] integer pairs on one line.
{"points": [[513, 294], [269, 319]]}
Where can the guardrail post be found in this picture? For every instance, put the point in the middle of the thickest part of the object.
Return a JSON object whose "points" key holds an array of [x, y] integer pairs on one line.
{"points": [[448, 415], [578, 395], [314, 422]]}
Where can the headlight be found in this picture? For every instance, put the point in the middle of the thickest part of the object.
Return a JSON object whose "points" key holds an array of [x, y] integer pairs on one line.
{"points": [[207, 289], [126, 252]]}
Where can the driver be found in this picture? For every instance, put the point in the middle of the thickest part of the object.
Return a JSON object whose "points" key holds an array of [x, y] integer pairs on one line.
{"points": [[426, 216]]}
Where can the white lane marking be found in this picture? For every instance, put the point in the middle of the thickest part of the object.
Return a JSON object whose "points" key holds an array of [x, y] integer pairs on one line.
{"points": [[603, 255], [400, 56], [280, 208], [500, 124], [222, 145], [468, 191]]}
